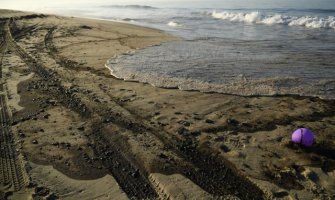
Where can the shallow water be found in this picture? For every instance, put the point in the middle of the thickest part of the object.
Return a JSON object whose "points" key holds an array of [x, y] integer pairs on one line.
{"points": [[242, 51], [231, 67]]}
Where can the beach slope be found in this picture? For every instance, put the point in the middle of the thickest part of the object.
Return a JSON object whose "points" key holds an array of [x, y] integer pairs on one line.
{"points": [[71, 130]]}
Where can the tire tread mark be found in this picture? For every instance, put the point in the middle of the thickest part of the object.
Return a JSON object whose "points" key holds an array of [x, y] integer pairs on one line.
{"points": [[139, 187], [11, 171]]}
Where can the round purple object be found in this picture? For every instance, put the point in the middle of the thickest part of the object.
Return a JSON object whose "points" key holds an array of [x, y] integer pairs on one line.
{"points": [[303, 136]]}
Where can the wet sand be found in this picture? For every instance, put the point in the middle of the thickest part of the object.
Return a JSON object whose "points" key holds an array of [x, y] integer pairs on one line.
{"points": [[71, 123]]}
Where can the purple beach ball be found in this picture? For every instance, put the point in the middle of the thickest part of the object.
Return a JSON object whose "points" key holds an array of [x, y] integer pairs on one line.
{"points": [[303, 136]]}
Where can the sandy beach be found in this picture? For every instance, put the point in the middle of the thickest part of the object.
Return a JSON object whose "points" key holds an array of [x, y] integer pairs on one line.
{"points": [[70, 130]]}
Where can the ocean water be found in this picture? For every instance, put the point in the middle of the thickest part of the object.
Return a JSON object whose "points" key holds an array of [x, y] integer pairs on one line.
{"points": [[234, 50]]}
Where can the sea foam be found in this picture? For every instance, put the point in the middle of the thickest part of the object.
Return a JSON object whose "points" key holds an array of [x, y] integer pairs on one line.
{"points": [[206, 67], [262, 18], [173, 24]]}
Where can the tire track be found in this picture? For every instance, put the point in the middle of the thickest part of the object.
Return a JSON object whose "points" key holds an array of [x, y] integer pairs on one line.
{"points": [[21, 33], [12, 172], [50, 79], [63, 61], [212, 174], [3, 46], [130, 180], [11, 169]]}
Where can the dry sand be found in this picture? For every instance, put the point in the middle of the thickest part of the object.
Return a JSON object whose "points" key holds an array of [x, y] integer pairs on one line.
{"points": [[82, 131], [67, 188]]}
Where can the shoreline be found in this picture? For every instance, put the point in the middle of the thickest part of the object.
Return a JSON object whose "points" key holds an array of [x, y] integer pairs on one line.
{"points": [[75, 112], [217, 92], [270, 86], [175, 87]]}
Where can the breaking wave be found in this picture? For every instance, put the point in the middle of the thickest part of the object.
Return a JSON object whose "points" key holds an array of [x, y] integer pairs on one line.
{"points": [[173, 24], [261, 18], [130, 6]]}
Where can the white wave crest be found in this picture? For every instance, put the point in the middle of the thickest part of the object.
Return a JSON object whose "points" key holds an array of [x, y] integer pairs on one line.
{"points": [[261, 18], [173, 24], [129, 6]]}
